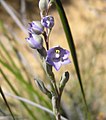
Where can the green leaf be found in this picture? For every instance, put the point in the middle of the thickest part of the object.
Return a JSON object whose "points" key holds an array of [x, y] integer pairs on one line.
{"points": [[70, 43]]}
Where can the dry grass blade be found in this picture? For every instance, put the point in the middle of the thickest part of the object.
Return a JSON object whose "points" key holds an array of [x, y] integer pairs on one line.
{"points": [[32, 103], [15, 91], [11, 13]]}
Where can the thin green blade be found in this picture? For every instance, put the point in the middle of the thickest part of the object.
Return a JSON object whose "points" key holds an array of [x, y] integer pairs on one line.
{"points": [[4, 98], [70, 43]]}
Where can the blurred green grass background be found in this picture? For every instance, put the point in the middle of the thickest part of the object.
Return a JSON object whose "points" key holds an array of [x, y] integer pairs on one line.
{"points": [[19, 64]]}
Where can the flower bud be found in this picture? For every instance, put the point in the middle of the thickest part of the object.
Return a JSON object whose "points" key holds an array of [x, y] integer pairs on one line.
{"points": [[47, 21], [36, 27], [43, 5], [42, 52], [64, 79], [35, 41], [48, 69], [42, 87]]}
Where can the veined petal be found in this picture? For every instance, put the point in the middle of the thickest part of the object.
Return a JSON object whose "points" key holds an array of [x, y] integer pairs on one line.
{"points": [[66, 61], [66, 54], [57, 65]]}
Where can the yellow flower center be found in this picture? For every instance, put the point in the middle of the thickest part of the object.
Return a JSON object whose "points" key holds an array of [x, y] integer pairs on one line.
{"points": [[57, 55], [57, 51]]}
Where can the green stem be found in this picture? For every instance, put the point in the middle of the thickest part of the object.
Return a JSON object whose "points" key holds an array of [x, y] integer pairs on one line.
{"points": [[56, 107], [54, 91]]}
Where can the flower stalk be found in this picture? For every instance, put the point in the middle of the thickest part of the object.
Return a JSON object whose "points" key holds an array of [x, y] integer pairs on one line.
{"points": [[56, 107], [51, 57]]}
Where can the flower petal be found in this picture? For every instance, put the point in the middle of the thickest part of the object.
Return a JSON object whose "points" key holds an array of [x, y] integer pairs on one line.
{"points": [[67, 61], [67, 53], [57, 65]]}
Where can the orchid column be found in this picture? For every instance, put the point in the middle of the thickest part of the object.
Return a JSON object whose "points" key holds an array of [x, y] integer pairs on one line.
{"points": [[57, 56]]}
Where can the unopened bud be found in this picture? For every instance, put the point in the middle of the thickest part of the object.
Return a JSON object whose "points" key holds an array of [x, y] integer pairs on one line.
{"points": [[47, 21], [42, 52], [43, 5], [35, 41], [48, 69], [64, 79], [36, 27], [42, 87]]}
